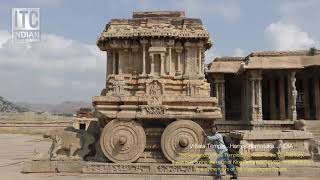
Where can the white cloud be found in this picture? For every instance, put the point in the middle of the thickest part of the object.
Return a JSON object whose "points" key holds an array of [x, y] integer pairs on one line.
{"points": [[284, 36], [52, 53], [4, 37], [302, 14], [238, 52], [46, 71]]}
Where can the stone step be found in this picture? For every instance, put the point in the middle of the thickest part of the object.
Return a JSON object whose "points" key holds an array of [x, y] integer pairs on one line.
{"points": [[314, 127]]}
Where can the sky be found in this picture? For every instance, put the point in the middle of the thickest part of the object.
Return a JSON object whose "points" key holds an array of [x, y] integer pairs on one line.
{"points": [[66, 65]]}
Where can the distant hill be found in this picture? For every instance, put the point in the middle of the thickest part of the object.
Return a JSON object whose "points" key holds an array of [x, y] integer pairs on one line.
{"points": [[66, 107], [7, 106]]}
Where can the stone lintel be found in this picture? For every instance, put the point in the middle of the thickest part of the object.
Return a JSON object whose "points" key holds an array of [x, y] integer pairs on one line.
{"points": [[157, 49], [172, 14]]}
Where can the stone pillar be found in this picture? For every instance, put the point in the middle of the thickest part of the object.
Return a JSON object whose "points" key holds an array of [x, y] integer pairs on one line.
{"points": [[152, 64], [306, 98], [144, 42], [199, 61], [170, 59], [272, 104], [135, 63], [202, 61], [162, 64], [253, 93], [113, 62], [186, 60], [256, 95], [179, 53], [243, 99], [170, 44], [220, 93], [316, 97], [130, 61], [108, 63], [282, 103], [292, 96], [259, 96], [120, 62]]}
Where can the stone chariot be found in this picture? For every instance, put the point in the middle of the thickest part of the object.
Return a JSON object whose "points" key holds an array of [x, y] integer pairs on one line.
{"points": [[156, 103]]}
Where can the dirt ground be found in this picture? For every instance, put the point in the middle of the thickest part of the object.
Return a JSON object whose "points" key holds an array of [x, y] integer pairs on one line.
{"points": [[15, 148]]}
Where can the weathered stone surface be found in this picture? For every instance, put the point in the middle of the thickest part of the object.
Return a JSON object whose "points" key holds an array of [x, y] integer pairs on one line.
{"points": [[177, 141], [268, 145], [155, 66], [69, 144], [165, 169], [123, 142]]}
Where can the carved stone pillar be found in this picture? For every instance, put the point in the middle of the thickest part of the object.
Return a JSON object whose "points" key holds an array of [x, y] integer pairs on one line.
{"points": [[316, 97], [292, 96], [120, 62], [186, 60], [256, 95], [199, 61], [170, 44], [162, 64], [135, 63], [109, 63], [306, 98], [220, 93], [202, 61], [179, 54], [114, 62], [272, 104], [143, 42], [243, 98], [152, 64], [169, 59], [282, 103], [130, 61]]}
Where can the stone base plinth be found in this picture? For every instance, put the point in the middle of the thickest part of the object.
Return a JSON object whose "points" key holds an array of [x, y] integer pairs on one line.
{"points": [[112, 168], [164, 169], [272, 144]]}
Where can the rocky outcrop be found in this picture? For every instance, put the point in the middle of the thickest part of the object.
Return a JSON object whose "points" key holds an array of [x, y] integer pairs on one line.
{"points": [[7, 106]]}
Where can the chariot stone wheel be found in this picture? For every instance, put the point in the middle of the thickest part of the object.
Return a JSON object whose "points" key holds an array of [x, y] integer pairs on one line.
{"points": [[123, 141], [177, 140]]}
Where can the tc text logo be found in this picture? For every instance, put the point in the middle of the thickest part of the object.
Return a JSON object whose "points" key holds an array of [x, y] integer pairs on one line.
{"points": [[25, 24]]}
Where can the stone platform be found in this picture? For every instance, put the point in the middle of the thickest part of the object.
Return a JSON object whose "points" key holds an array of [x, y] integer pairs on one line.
{"points": [[251, 169], [112, 168]]}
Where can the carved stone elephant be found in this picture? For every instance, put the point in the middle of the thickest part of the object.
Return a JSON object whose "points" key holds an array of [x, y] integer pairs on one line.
{"points": [[75, 144]]}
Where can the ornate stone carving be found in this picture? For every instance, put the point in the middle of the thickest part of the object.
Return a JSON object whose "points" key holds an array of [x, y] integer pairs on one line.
{"points": [[178, 139], [116, 168], [72, 144], [314, 149], [294, 96], [123, 141], [163, 169], [137, 168], [155, 89], [155, 110], [192, 89], [158, 79], [300, 125]]}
